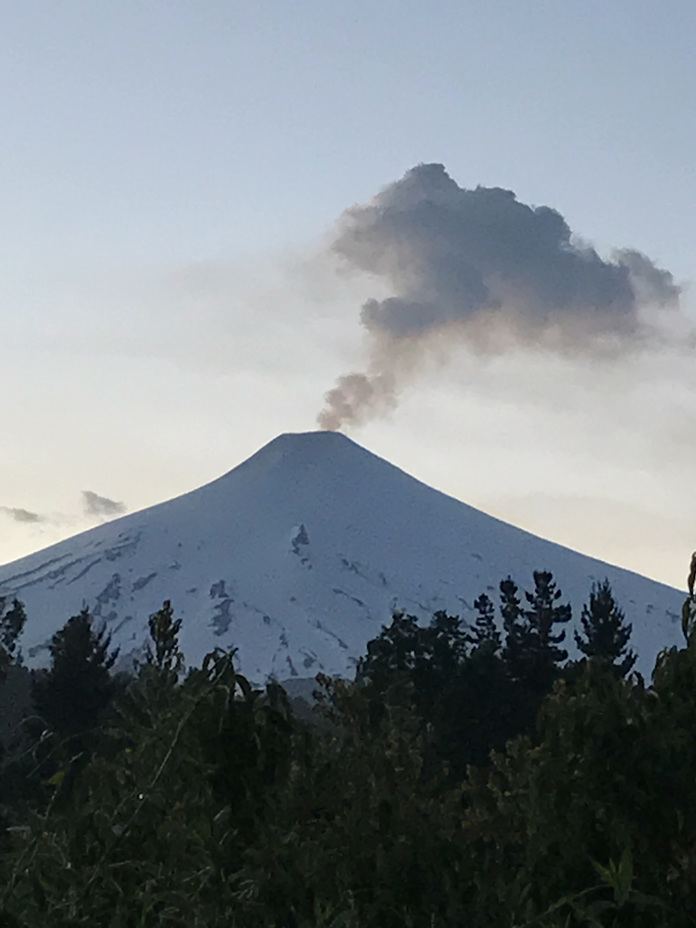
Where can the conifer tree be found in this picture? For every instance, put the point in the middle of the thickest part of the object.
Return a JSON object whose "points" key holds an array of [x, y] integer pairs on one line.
{"points": [[514, 624], [485, 631], [445, 642], [543, 614], [531, 646], [72, 695], [605, 632], [11, 624], [510, 607]]}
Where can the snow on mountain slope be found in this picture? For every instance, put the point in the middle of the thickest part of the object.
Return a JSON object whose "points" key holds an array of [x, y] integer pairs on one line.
{"points": [[298, 556]]}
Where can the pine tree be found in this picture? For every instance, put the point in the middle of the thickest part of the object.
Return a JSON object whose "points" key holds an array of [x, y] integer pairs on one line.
{"points": [[605, 631], [531, 645], [515, 626], [445, 642], [72, 695], [544, 613], [485, 631], [11, 624], [510, 607]]}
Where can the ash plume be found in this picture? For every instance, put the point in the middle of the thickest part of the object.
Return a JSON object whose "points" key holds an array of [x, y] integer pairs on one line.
{"points": [[478, 267], [353, 395], [102, 506]]}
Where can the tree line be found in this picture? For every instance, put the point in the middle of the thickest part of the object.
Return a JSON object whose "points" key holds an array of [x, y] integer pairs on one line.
{"points": [[470, 774]]}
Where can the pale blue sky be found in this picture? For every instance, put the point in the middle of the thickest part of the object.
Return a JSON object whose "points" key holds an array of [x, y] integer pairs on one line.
{"points": [[167, 166]]}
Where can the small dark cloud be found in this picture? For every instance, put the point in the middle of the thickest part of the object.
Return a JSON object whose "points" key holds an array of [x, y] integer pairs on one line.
{"points": [[95, 505], [480, 268], [22, 515]]}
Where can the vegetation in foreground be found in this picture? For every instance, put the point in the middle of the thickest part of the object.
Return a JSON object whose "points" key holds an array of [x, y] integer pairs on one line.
{"points": [[467, 777]]}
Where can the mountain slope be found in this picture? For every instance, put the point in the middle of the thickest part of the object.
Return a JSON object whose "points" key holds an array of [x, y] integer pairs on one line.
{"points": [[298, 556]]}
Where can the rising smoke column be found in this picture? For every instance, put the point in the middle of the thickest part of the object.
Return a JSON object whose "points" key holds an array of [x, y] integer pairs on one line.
{"points": [[481, 268]]}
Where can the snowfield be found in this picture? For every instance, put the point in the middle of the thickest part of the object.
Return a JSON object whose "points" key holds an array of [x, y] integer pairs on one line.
{"points": [[297, 558]]}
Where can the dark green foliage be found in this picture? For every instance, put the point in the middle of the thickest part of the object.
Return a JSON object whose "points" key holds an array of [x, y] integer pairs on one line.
{"points": [[205, 803], [72, 695], [12, 619], [398, 649], [606, 778], [531, 647], [605, 633], [161, 817], [484, 633], [510, 611], [407, 647], [470, 695], [15, 737], [13, 680], [422, 658], [688, 615], [448, 641], [545, 612], [15, 703], [166, 656], [386, 837], [479, 710]]}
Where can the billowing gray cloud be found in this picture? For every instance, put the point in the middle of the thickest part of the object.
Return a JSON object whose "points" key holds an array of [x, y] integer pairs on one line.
{"points": [[22, 515], [95, 505], [481, 267]]}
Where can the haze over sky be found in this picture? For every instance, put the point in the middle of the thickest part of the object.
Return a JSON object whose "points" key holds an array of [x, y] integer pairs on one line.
{"points": [[172, 179]]}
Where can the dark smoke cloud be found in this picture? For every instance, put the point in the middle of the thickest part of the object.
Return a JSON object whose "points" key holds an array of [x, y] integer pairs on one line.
{"points": [[479, 267], [95, 505], [22, 515]]}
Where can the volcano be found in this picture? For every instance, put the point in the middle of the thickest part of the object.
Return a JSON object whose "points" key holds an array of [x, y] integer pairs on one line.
{"points": [[298, 556]]}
